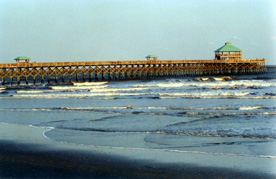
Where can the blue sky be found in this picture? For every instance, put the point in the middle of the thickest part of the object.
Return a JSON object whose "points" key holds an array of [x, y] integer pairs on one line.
{"points": [[100, 30]]}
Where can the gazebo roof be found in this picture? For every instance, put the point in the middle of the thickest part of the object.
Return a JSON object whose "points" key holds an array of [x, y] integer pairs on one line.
{"points": [[22, 58], [228, 48], [151, 56]]}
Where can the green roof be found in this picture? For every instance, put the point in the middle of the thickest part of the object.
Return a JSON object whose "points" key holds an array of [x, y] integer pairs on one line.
{"points": [[151, 56], [228, 48], [22, 58]]}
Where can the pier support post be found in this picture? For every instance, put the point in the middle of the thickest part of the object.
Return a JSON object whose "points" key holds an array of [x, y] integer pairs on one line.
{"points": [[77, 77], [56, 74], [27, 80], [18, 80], [77, 73], [90, 77], [83, 77], [3, 80], [48, 79], [70, 78], [34, 79], [96, 76], [11, 78], [42, 79]]}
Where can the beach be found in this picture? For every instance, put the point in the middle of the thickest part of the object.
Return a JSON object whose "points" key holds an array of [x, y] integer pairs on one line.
{"points": [[28, 154]]}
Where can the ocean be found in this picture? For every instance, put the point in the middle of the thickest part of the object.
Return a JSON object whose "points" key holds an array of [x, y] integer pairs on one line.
{"points": [[207, 115]]}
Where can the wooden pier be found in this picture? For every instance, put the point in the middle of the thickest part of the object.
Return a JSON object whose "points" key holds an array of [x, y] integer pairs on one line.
{"points": [[112, 70], [228, 61]]}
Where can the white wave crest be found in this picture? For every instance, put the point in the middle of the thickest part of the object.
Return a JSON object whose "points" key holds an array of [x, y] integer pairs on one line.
{"points": [[164, 85], [76, 87], [78, 95], [227, 78], [217, 97], [35, 91], [88, 83], [117, 89], [218, 84], [112, 92], [245, 108], [203, 79], [206, 94]]}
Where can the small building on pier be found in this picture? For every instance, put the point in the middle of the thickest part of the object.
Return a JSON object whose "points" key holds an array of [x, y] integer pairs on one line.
{"points": [[23, 59], [228, 52], [151, 57]]}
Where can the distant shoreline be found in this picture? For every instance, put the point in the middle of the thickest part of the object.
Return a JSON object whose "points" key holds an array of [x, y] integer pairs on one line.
{"points": [[271, 66]]}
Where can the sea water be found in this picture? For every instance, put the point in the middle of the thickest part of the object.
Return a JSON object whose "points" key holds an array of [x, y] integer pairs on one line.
{"points": [[224, 115]]}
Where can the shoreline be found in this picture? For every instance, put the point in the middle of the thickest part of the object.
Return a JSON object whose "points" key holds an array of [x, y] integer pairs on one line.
{"points": [[27, 154]]}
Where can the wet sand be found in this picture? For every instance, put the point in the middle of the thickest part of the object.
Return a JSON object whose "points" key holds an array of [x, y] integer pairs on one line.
{"points": [[26, 153]]}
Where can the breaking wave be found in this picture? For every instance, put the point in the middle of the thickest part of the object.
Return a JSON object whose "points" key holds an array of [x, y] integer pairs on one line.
{"points": [[218, 97], [242, 84], [144, 92], [70, 89], [118, 89], [246, 108], [242, 133], [35, 91], [86, 95], [88, 83], [151, 110], [208, 94], [227, 78], [77, 87]]}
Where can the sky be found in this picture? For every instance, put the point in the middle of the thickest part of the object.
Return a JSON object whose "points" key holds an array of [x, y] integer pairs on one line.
{"points": [[111, 30]]}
